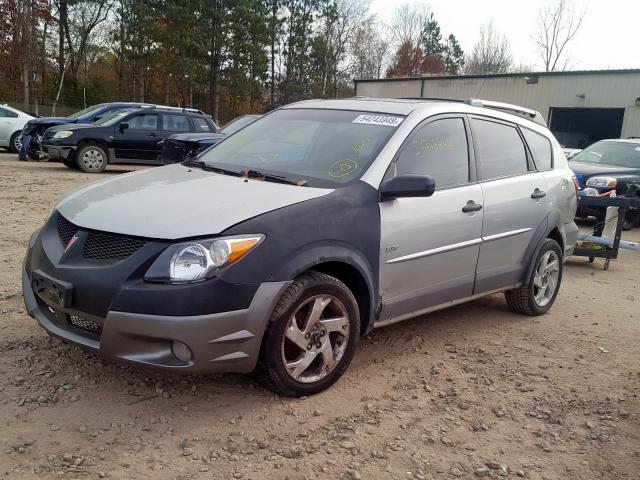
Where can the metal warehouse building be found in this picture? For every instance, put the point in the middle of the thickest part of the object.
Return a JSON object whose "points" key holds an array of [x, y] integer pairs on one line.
{"points": [[580, 107]]}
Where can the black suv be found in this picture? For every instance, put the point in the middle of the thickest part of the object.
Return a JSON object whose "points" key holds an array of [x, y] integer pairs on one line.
{"points": [[126, 136]]}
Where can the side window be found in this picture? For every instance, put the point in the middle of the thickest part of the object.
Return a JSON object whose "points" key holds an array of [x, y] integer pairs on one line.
{"points": [[175, 123], [541, 149], [4, 113], [500, 149], [144, 121], [438, 149], [201, 124]]}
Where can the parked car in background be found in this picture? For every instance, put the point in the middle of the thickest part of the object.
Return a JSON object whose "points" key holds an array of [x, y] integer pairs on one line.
{"points": [[12, 122], [180, 147], [125, 136], [283, 245], [571, 152], [34, 129], [609, 165]]}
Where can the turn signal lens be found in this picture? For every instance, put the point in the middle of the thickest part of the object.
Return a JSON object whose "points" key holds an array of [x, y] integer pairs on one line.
{"points": [[576, 185]]}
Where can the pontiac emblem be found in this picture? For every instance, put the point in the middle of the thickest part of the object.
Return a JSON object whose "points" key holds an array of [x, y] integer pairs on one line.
{"points": [[71, 241]]}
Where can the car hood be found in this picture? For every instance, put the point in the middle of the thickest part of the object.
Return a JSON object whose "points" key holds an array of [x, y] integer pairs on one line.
{"points": [[591, 169], [51, 121], [73, 126], [197, 137], [176, 202]]}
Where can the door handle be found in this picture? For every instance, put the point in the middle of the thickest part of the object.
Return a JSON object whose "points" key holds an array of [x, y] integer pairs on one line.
{"points": [[537, 193], [471, 206]]}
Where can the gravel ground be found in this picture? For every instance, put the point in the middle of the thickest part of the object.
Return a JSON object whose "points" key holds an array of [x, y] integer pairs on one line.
{"points": [[468, 392]]}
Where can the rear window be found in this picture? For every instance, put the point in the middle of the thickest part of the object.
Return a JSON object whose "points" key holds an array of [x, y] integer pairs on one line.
{"points": [[500, 149], [201, 124], [540, 148]]}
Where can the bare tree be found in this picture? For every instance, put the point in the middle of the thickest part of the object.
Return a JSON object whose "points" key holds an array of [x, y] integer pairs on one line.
{"points": [[368, 50], [558, 24], [407, 23], [490, 54]]}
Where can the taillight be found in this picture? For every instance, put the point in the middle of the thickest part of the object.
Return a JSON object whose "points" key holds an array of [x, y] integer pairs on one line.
{"points": [[577, 187]]}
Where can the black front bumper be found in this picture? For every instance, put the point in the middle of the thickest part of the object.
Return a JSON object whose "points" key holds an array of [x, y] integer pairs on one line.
{"points": [[107, 307], [58, 152]]}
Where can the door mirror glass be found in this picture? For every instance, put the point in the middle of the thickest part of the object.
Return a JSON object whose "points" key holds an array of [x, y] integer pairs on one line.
{"points": [[408, 185], [124, 126]]}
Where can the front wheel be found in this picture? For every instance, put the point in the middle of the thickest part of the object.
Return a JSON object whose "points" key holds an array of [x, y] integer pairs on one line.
{"points": [[15, 144], [92, 159], [538, 294], [312, 336]]}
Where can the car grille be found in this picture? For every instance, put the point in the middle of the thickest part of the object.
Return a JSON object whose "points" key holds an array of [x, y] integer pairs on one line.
{"points": [[85, 324], [66, 229], [48, 135], [100, 246], [103, 247]]}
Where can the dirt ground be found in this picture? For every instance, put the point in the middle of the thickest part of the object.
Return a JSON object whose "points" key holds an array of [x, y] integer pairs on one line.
{"points": [[468, 392]]}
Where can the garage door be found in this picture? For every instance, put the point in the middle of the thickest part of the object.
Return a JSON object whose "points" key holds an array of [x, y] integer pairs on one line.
{"points": [[580, 127]]}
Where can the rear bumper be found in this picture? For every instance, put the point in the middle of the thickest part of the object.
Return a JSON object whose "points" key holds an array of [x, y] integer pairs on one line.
{"points": [[219, 342]]}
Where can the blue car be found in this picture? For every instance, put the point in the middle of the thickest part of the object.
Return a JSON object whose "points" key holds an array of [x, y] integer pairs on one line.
{"points": [[33, 131]]}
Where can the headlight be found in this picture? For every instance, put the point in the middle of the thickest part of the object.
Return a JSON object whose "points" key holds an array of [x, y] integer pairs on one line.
{"points": [[200, 259], [63, 134], [602, 182]]}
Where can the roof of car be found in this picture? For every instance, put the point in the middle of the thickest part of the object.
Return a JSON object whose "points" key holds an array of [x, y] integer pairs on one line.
{"points": [[633, 141], [405, 106]]}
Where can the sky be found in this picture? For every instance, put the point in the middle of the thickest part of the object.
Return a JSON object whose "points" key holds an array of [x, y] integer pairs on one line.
{"points": [[608, 38]]}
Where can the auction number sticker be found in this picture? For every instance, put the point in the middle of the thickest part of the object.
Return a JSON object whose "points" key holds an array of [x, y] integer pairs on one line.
{"points": [[385, 120]]}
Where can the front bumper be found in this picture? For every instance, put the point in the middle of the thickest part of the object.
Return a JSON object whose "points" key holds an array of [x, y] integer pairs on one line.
{"points": [[58, 152], [219, 342], [109, 308]]}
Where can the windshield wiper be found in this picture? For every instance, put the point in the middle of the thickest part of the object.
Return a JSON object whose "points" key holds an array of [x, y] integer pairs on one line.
{"points": [[272, 178], [211, 168]]}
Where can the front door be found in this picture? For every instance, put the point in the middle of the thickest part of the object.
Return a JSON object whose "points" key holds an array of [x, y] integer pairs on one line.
{"points": [[429, 246], [515, 204], [139, 142], [8, 120]]}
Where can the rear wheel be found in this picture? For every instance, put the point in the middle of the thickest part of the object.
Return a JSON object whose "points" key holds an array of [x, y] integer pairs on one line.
{"points": [[631, 219], [538, 294], [311, 337], [92, 159], [15, 144]]}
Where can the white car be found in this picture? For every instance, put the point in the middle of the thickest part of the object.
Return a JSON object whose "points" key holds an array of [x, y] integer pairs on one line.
{"points": [[11, 123]]}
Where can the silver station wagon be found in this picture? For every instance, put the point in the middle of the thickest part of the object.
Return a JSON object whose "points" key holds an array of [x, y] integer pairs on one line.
{"points": [[279, 248]]}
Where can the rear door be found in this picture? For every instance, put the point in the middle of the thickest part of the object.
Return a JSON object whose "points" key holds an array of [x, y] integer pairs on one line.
{"points": [[139, 142], [429, 246], [515, 203]]}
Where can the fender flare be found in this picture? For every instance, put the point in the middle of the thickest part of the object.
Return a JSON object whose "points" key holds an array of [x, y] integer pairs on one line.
{"points": [[551, 221]]}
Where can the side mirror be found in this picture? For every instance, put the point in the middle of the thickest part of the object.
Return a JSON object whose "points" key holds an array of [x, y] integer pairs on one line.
{"points": [[124, 126], [408, 186]]}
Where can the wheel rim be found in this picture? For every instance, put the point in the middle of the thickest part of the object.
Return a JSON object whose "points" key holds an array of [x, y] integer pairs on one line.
{"points": [[545, 278], [315, 338], [92, 159], [17, 143]]}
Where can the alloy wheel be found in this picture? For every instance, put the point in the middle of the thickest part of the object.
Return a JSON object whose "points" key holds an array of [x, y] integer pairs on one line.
{"points": [[93, 159], [315, 338], [17, 143], [545, 278]]}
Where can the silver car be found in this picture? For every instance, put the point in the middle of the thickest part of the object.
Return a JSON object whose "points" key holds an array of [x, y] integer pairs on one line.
{"points": [[282, 246]]}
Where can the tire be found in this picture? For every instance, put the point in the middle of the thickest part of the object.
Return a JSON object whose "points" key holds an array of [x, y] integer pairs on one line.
{"points": [[631, 219], [299, 368], [14, 143], [92, 159], [527, 299], [71, 163]]}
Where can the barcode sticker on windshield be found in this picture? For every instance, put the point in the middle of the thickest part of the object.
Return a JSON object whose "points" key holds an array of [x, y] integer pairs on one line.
{"points": [[378, 120]]}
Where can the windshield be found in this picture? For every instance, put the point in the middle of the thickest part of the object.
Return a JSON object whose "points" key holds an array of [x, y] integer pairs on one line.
{"points": [[112, 118], [238, 123], [321, 147], [618, 154], [86, 112]]}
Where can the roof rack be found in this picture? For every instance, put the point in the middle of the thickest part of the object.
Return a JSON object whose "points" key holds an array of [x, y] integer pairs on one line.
{"points": [[164, 107], [527, 113]]}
